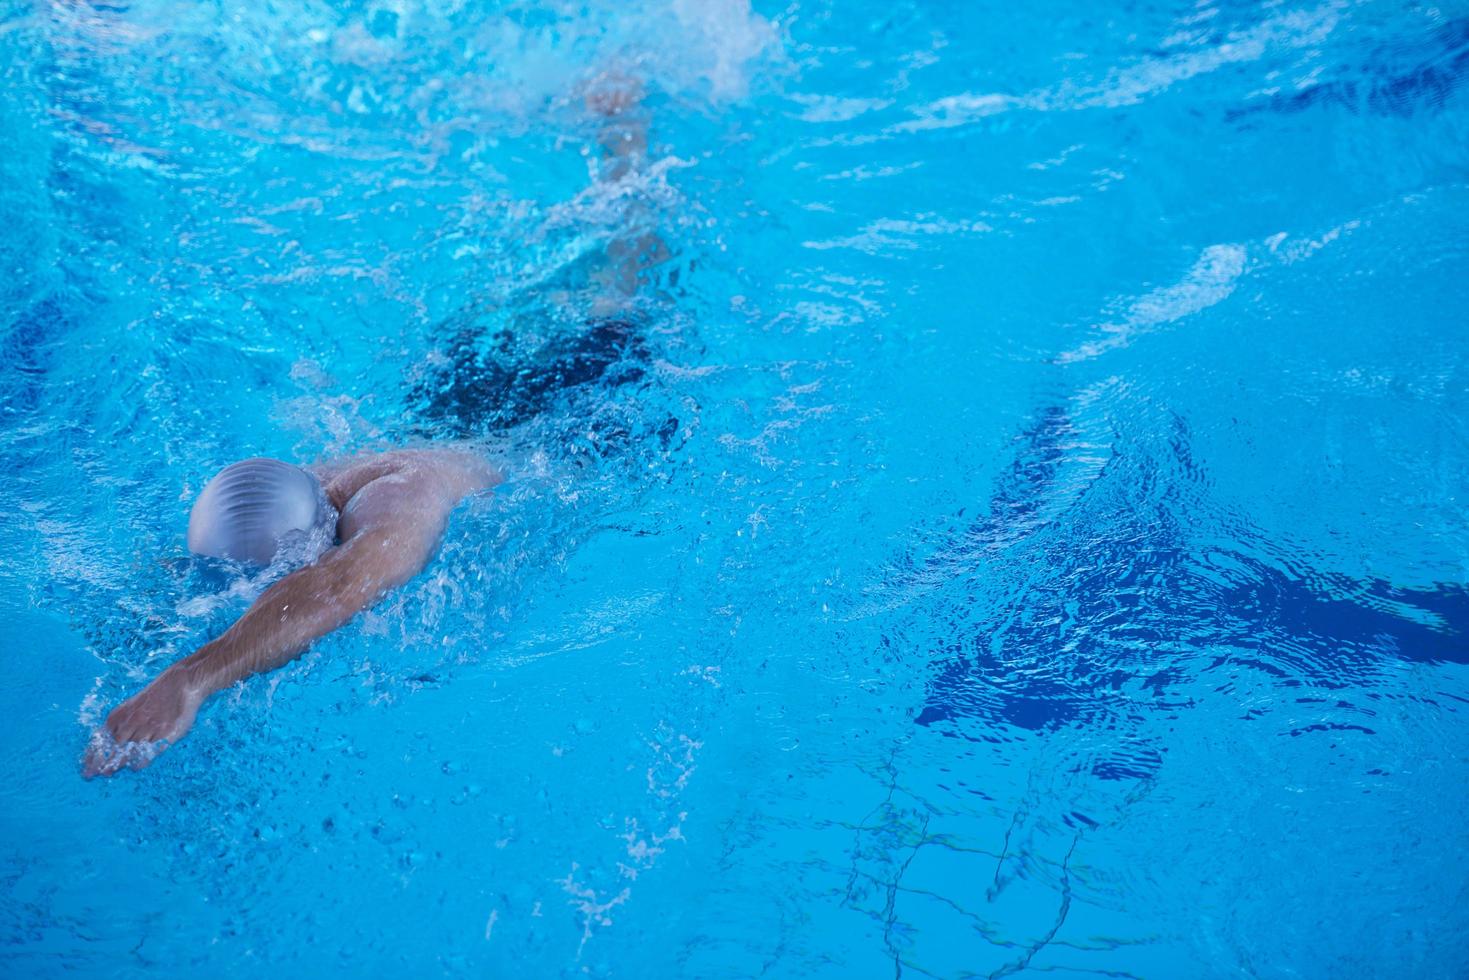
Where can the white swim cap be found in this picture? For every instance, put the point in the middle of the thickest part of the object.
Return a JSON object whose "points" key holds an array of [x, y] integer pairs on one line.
{"points": [[252, 507]]}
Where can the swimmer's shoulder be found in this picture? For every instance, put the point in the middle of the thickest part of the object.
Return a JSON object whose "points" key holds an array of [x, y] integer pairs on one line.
{"points": [[459, 468]]}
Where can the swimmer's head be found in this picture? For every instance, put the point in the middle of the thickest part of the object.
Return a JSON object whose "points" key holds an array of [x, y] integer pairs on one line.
{"points": [[254, 507]]}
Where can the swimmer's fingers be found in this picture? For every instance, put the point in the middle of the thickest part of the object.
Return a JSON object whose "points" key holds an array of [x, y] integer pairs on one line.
{"points": [[106, 756], [141, 727], [106, 753], [102, 756]]}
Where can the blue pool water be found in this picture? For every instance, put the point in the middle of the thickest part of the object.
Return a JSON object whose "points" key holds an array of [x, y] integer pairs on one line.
{"points": [[1032, 542]]}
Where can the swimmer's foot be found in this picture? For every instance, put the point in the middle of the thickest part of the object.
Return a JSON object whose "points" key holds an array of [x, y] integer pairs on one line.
{"points": [[617, 100], [144, 725], [613, 93]]}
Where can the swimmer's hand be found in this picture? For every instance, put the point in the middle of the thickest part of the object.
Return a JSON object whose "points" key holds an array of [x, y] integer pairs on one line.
{"points": [[145, 724]]}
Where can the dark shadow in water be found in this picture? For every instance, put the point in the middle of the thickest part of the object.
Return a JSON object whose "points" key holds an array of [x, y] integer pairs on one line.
{"points": [[1397, 79], [1114, 597], [23, 358], [87, 210]]}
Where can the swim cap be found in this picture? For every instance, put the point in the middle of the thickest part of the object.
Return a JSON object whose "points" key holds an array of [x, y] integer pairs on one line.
{"points": [[251, 507]]}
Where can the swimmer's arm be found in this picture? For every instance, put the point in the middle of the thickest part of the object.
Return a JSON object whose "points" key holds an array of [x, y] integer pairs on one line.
{"points": [[278, 627], [391, 527], [313, 601], [395, 507]]}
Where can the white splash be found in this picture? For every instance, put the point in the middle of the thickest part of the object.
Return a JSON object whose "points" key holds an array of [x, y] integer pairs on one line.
{"points": [[1133, 83], [885, 234], [594, 908], [1211, 280]]}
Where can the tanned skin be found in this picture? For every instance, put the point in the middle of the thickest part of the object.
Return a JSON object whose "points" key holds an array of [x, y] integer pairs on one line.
{"points": [[394, 507]]}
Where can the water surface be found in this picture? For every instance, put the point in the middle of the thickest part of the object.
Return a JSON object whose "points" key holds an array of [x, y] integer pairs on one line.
{"points": [[1032, 539]]}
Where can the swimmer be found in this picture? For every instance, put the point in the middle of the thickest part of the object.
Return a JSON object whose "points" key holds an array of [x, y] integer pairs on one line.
{"points": [[393, 509], [382, 515]]}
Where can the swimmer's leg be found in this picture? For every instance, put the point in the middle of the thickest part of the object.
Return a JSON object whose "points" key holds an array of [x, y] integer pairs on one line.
{"points": [[617, 100], [480, 386]]}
